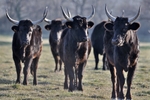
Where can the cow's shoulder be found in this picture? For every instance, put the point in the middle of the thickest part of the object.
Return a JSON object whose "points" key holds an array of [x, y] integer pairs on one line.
{"points": [[64, 32], [15, 40]]}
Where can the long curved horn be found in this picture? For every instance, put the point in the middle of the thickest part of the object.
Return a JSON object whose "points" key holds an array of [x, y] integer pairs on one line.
{"points": [[135, 17], [10, 19], [65, 15], [44, 16], [109, 15], [69, 14], [47, 20], [92, 15]]}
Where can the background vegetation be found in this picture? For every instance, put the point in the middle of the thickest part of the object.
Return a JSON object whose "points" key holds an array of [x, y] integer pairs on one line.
{"points": [[33, 9]]}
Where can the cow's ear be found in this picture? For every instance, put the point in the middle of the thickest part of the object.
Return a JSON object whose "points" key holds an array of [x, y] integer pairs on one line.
{"points": [[108, 26], [15, 28], [69, 24], [48, 27], [134, 26], [90, 24]]}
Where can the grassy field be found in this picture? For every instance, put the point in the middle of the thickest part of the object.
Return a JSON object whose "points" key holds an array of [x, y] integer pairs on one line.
{"points": [[96, 83]]}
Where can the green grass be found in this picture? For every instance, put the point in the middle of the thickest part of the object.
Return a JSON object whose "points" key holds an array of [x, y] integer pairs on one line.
{"points": [[96, 83]]}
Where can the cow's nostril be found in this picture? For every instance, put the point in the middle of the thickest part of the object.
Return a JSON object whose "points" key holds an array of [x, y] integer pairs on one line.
{"points": [[25, 43], [85, 39], [114, 41]]}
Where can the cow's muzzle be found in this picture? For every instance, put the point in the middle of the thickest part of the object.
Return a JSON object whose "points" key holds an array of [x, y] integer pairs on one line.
{"points": [[117, 42], [114, 41], [85, 39], [24, 43]]}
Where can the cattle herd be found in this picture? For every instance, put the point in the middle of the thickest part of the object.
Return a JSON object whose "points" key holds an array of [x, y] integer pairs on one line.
{"points": [[115, 39]]}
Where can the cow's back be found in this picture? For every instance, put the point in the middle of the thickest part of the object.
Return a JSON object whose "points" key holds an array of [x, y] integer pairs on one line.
{"points": [[97, 37]]}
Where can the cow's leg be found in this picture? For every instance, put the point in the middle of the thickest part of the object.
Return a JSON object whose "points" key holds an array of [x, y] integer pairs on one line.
{"points": [[56, 59], [129, 81], [27, 64], [18, 67], [96, 59], [121, 81], [66, 78], [60, 63], [80, 75], [114, 81], [104, 62], [76, 77], [70, 72], [56, 63], [34, 68], [117, 88]]}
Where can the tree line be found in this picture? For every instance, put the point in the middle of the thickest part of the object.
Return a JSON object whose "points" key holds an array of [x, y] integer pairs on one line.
{"points": [[33, 9]]}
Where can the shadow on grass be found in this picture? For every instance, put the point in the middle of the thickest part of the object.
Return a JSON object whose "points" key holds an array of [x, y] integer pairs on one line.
{"points": [[4, 81], [5, 43], [144, 47], [46, 45]]}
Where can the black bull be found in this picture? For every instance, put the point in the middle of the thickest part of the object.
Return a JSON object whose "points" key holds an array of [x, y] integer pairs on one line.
{"points": [[75, 48], [26, 46], [122, 50], [56, 26], [97, 43]]}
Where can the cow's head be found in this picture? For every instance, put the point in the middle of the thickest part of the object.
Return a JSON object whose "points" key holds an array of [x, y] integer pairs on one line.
{"points": [[24, 29], [79, 25], [56, 26], [120, 27]]}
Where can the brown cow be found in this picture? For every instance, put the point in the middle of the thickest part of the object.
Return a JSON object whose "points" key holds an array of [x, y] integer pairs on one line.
{"points": [[75, 48], [26, 46]]}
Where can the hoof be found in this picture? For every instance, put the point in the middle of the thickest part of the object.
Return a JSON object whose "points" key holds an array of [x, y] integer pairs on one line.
{"points": [[60, 69], [17, 82], [114, 99], [55, 70], [103, 68], [120, 99], [65, 86], [70, 89], [79, 88], [96, 68], [24, 83], [34, 84]]}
